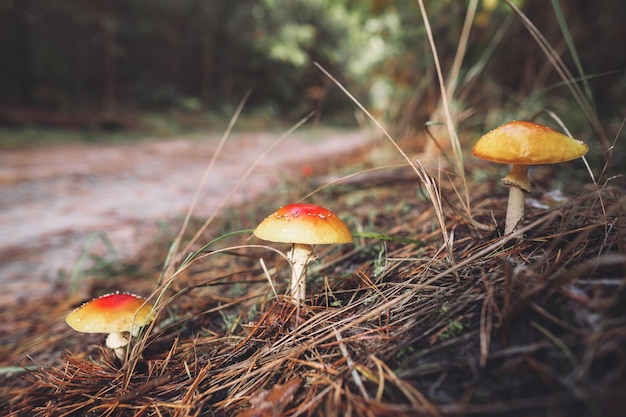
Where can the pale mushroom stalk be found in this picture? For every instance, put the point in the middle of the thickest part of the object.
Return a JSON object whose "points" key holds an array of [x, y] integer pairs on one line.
{"points": [[118, 342], [300, 256], [514, 210], [518, 184]]}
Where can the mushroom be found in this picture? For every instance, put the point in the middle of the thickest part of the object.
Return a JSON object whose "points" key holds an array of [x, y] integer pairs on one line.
{"points": [[521, 144], [121, 315], [302, 225]]}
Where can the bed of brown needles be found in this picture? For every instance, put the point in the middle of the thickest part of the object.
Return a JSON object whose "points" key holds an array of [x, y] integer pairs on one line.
{"points": [[393, 325]]}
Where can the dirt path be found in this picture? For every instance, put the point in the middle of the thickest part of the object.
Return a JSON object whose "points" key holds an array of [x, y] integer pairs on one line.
{"points": [[53, 198]]}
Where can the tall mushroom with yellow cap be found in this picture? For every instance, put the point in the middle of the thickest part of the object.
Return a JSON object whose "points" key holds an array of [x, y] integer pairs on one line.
{"points": [[521, 144], [302, 225], [121, 315]]}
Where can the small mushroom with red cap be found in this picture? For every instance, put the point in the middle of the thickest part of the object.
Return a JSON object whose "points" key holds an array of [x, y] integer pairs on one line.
{"points": [[121, 315], [302, 225], [521, 144]]}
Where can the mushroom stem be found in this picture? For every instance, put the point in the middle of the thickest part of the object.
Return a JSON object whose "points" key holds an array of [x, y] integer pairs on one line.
{"points": [[518, 184], [118, 343], [518, 177], [514, 210], [300, 256]]}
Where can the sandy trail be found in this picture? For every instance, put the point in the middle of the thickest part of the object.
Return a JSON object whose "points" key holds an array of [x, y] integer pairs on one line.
{"points": [[53, 198]]}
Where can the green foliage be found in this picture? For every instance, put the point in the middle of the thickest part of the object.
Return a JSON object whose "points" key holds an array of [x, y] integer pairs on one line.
{"points": [[186, 54], [454, 329], [194, 56]]}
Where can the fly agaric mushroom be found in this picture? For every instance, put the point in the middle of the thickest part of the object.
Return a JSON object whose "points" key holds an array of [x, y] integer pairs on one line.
{"points": [[121, 315], [521, 144], [302, 225]]}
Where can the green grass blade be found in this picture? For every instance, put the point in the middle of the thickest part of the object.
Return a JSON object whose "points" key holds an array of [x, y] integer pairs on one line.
{"points": [[567, 35]]}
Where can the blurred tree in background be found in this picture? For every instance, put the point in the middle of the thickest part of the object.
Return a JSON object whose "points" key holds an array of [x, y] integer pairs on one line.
{"points": [[158, 55], [129, 57]]}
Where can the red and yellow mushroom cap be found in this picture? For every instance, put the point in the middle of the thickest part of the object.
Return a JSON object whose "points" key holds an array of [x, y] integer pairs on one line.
{"points": [[111, 313], [303, 223]]}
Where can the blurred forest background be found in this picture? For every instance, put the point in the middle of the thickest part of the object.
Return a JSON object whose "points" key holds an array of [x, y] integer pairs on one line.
{"points": [[125, 65]]}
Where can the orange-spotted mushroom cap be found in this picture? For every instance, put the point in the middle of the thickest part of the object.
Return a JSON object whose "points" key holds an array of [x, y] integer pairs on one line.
{"points": [[111, 313], [303, 223], [527, 143]]}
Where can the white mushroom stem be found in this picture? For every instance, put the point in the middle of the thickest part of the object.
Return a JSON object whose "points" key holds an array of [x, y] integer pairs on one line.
{"points": [[514, 210], [518, 184], [118, 342], [300, 256]]}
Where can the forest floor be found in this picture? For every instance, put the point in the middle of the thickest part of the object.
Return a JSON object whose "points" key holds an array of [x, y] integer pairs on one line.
{"points": [[398, 323]]}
